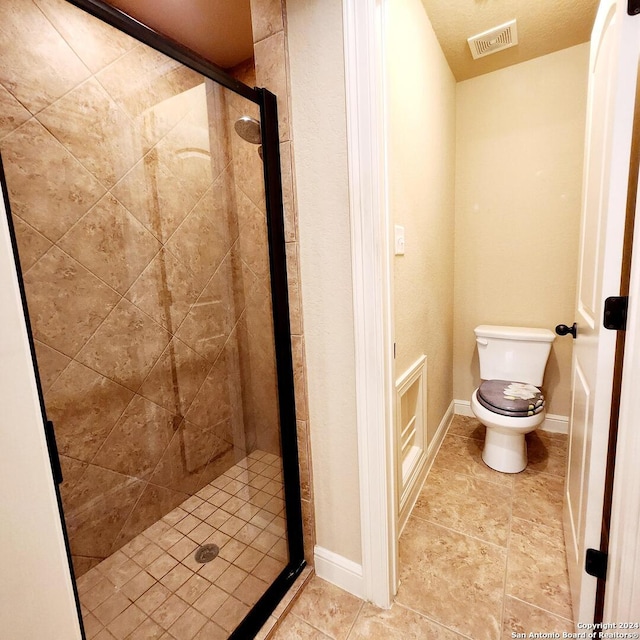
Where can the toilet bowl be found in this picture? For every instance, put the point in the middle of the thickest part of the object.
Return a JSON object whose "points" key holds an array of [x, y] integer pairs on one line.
{"points": [[505, 448], [515, 358]]}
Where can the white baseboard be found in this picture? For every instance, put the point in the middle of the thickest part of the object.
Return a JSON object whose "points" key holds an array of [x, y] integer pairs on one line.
{"points": [[439, 435], [552, 423], [555, 424], [338, 570], [432, 450], [462, 408]]}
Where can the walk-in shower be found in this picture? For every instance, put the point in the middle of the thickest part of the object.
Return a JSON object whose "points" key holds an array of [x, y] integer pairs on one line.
{"points": [[152, 259]]}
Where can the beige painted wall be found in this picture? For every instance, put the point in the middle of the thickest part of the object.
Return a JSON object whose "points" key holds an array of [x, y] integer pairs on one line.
{"points": [[519, 153], [319, 129], [421, 156]]}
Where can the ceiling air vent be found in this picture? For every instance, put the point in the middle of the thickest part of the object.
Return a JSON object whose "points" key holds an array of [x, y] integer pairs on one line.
{"points": [[496, 39]]}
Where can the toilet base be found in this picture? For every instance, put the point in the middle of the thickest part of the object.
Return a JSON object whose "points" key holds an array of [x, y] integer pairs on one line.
{"points": [[505, 452]]}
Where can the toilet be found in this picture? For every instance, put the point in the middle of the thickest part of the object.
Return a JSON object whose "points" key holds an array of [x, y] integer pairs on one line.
{"points": [[509, 401]]}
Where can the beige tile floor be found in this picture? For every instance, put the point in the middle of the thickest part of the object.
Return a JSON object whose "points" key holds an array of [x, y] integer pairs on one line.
{"points": [[481, 557], [154, 589]]}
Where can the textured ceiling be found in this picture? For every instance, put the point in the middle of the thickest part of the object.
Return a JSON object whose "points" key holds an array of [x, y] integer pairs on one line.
{"points": [[544, 26], [219, 30]]}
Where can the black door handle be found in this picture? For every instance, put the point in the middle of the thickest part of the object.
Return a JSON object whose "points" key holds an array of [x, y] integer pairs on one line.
{"points": [[563, 330]]}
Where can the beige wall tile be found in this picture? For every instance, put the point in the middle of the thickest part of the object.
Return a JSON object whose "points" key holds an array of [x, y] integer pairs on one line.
{"points": [[266, 18], [211, 319], [155, 196], [191, 243], [309, 530], [217, 385], [288, 192], [94, 42], [111, 244], [31, 244], [138, 440], [81, 302], [35, 79], [98, 509], [185, 151], [12, 113], [293, 277], [299, 374], [126, 346], [96, 131], [253, 237], [143, 78], [248, 169], [165, 290], [48, 187], [183, 461], [306, 478], [154, 503], [51, 364], [271, 72], [84, 406], [175, 378]]}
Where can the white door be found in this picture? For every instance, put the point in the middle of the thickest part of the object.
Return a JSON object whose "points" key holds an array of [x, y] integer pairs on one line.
{"points": [[613, 66]]}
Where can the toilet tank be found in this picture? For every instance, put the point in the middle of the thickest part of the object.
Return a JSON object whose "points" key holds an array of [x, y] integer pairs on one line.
{"points": [[513, 353]]}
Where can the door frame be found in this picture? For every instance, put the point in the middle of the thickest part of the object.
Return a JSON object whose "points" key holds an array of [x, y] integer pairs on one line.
{"points": [[372, 295], [373, 324], [623, 578]]}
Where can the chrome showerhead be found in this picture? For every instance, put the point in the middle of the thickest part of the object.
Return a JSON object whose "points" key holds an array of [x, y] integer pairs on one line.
{"points": [[248, 129]]}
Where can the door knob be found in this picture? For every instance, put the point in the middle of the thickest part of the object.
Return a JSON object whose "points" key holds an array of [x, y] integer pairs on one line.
{"points": [[563, 330]]}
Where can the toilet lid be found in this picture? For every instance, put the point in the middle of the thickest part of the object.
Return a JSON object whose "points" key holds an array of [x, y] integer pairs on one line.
{"points": [[510, 398]]}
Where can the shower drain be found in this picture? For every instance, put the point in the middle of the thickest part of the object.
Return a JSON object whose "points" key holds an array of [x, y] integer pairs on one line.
{"points": [[206, 553]]}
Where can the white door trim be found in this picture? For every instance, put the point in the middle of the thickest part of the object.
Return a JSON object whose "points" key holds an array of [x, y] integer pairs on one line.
{"points": [[622, 593], [363, 43]]}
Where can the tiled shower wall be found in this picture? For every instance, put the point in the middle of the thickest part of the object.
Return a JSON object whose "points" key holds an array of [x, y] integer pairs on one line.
{"points": [[269, 23], [151, 338]]}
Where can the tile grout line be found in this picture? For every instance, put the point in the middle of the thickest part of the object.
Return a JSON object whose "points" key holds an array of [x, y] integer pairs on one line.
{"points": [[461, 533], [535, 606], [430, 619], [355, 619], [506, 564], [311, 625]]}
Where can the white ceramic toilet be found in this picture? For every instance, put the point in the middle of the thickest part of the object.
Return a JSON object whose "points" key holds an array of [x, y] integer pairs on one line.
{"points": [[509, 402]]}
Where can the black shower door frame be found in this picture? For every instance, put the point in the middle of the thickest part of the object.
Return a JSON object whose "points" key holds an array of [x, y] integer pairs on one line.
{"points": [[267, 102]]}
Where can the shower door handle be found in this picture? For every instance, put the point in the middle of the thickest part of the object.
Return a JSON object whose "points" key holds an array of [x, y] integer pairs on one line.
{"points": [[54, 456]]}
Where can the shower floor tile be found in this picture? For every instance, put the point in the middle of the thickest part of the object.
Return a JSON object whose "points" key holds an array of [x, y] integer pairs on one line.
{"points": [[154, 587]]}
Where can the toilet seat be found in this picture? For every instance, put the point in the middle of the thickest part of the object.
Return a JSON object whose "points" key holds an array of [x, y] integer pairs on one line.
{"points": [[509, 398]]}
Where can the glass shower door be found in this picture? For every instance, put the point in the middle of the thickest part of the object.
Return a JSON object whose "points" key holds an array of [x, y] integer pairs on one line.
{"points": [[147, 252]]}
